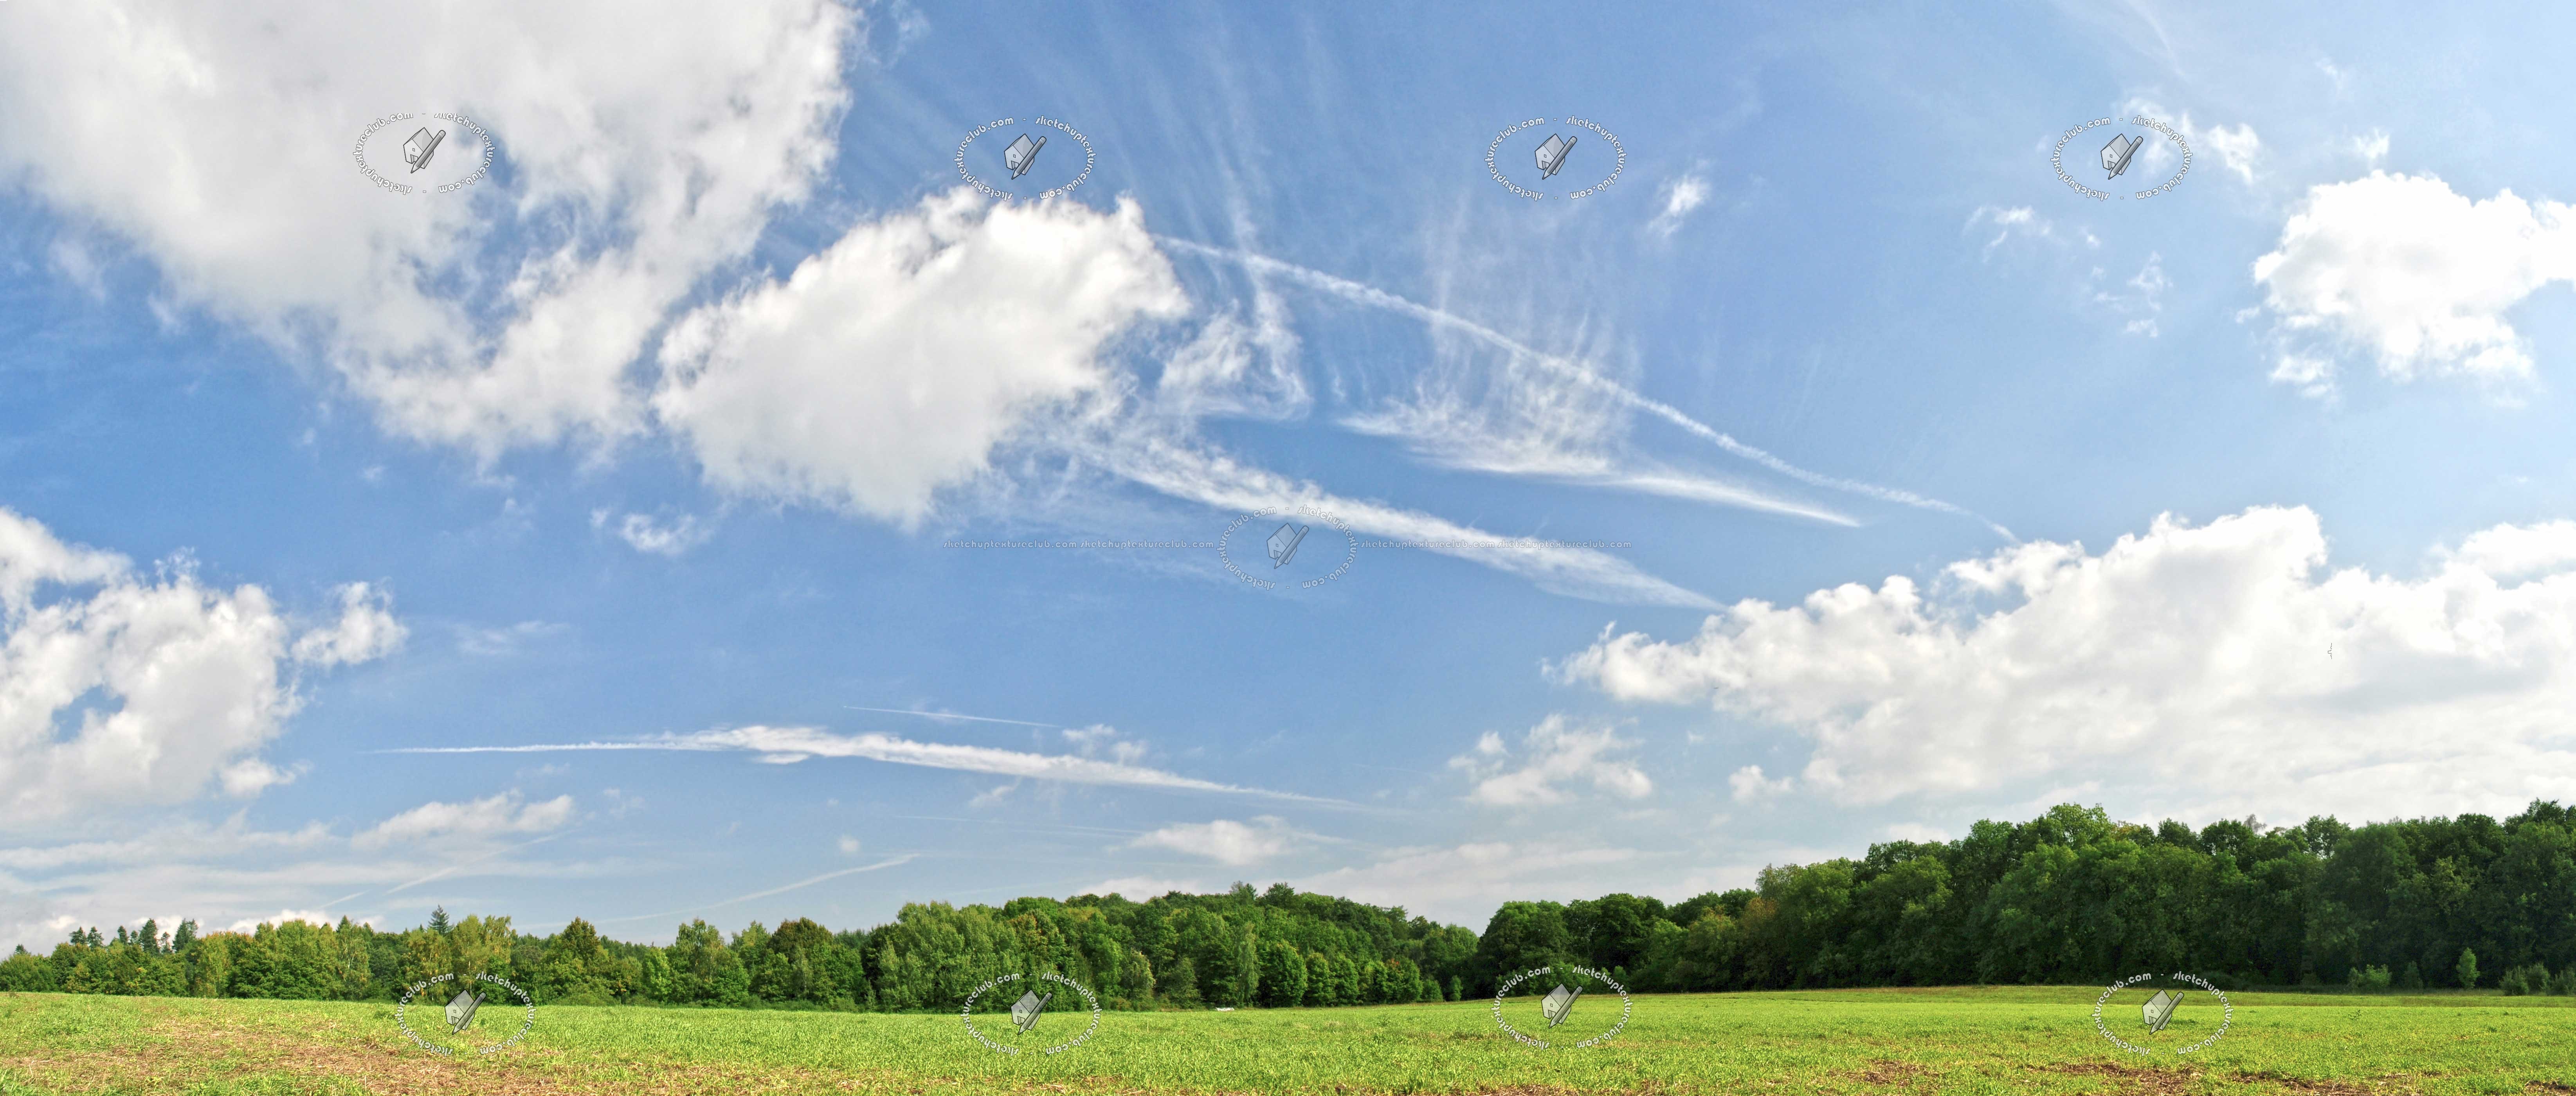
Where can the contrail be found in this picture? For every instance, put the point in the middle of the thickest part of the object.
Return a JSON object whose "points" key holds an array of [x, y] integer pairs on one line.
{"points": [[903, 859], [952, 715], [1379, 298]]}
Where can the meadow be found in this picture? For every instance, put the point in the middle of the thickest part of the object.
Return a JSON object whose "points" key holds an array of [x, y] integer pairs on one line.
{"points": [[1945, 1040]]}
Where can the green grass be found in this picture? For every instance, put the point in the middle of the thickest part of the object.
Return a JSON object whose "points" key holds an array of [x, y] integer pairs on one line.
{"points": [[1951, 1040]]}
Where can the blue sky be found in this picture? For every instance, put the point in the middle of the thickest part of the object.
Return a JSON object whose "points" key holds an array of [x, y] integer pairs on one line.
{"points": [[1835, 475]]}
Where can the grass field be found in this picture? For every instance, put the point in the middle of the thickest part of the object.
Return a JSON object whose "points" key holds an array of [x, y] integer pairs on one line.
{"points": [[1961, 1040]]}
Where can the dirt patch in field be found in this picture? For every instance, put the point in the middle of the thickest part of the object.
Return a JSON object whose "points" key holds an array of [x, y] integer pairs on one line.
{"points": [[2549, 1086], [2302, 1084], [1889, 1073], [2131, 1079]]}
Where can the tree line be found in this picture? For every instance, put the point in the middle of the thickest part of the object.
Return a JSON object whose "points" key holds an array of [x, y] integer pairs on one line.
{"points": [[2069, 897]]}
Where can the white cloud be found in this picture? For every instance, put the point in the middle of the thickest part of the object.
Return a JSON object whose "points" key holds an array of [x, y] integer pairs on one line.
{"points": [[319, 918], [2314, 376], [499, 814], [644, 534], [2020, 221], [645, 146], [1580, 372], [2143, 299], [1749, 784], [181, 840], [366, 630], [790, 745], [2189, 660], [894, 362], [1467, 876], [1553, 753], [1089, 741], [73, 260], [1514, 419], [1916, 831], [2520, 551], [1145, 888], [1184, 469], [2234, 148], [1681, 196], [2372, 147], [124, 689], [1231, 370], [2416, 273], [495, 642], [1234, 844], [849, 845]]}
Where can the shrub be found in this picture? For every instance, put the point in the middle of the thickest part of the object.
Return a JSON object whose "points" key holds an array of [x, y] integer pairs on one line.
{"points": [[2564, 983], [2515, 981], [2467, 971], [2413, 979], [2369, 979]]}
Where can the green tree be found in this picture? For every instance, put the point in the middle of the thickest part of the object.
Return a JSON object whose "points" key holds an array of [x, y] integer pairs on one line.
{"points": [[1283, 975], [2467, 970]]}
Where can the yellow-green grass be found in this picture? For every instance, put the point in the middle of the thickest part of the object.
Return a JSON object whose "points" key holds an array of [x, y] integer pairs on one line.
{"points": [[1952, 1040]]}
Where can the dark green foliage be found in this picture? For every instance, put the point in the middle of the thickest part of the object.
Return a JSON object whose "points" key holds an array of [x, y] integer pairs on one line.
{"points": [[2069, 897]]}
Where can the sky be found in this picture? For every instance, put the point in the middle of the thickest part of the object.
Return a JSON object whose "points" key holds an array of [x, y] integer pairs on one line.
{"points": [[715, 486]]}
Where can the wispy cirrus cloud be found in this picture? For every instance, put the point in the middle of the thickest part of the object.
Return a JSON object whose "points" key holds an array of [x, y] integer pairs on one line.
{"points": [[789, 745], [1570, 369]]}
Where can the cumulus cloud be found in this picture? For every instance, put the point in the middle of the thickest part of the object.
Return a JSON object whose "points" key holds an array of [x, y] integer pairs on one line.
{"points": [[2194, 658], [891, 364], [499, 814], [123, 688], [1234, 844], [366, 630], [2415, 273], [1553, 753], [641, 147], [1749, 784]]}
